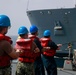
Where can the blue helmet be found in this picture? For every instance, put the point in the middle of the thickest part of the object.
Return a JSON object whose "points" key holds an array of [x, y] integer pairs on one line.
{"points": [[33, 29], [22, 30], [47, 33], [4, 21]]}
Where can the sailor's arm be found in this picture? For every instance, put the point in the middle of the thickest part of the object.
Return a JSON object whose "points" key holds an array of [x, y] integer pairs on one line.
{"points": [[35, 48], [59, 45], [15, 53], [45, 48], [11, 51]]}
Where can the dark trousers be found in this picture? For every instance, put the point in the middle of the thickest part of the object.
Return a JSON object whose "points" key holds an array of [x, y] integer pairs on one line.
{"points": [[39, 67], [50, 65]]}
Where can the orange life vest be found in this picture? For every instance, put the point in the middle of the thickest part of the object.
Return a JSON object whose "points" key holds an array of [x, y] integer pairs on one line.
{"points": [[5, 58], [25, 45], [44, 43], [32, 37]]}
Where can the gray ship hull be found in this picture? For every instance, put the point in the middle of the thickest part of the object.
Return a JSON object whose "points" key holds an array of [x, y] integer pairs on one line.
{"points": [[47, 19], [61, 22]]}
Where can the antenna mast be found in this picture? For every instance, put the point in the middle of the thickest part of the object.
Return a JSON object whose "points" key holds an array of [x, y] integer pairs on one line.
{"points": [[75, 3], [27, 4]]}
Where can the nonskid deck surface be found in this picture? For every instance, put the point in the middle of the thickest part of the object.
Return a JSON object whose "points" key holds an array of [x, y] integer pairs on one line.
{"points": [[61, 71]]}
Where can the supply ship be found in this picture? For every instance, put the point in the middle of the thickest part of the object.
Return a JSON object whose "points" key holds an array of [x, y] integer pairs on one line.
{"points": [[59, 16]]}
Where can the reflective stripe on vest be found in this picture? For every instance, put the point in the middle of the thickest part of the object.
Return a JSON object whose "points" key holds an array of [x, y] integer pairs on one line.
{"points": [[33, 37]]}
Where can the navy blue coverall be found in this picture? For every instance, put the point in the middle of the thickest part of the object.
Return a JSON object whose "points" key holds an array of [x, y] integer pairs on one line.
{"points": [[49, 61], [38, 64]]}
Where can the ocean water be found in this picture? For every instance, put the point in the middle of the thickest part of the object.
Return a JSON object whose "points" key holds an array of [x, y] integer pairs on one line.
{"points": [[14, 38]]}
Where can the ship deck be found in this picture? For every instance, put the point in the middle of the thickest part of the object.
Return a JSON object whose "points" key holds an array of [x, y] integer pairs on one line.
{"points": [[61, 71]]}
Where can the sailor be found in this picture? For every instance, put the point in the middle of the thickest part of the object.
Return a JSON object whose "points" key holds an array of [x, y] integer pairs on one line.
{"points": [[48, 55], [7, 52], [38, 64], [25, 65]]}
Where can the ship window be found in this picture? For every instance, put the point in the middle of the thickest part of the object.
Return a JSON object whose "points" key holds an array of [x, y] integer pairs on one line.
{"points": [[49, 12], [65, 13], [68, 11], [41, 12], [29, 14]]}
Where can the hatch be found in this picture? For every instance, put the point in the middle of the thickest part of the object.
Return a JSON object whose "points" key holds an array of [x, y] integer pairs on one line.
{"points": [[58, 30]]}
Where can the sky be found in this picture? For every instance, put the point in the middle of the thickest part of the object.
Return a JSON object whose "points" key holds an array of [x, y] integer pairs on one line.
{"points": [[16, 10]]}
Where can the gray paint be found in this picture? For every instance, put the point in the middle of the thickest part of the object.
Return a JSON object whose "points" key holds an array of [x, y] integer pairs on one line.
{"points": [[45, 20]]}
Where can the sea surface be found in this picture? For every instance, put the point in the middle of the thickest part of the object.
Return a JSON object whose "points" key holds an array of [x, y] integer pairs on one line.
{"points": [[14, 38]]}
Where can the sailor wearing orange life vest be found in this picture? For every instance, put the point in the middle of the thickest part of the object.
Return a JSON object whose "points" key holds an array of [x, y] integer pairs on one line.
{"points": [[6, 51], [6, 57], [27, 58], [38, 64], [48, 55]]}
